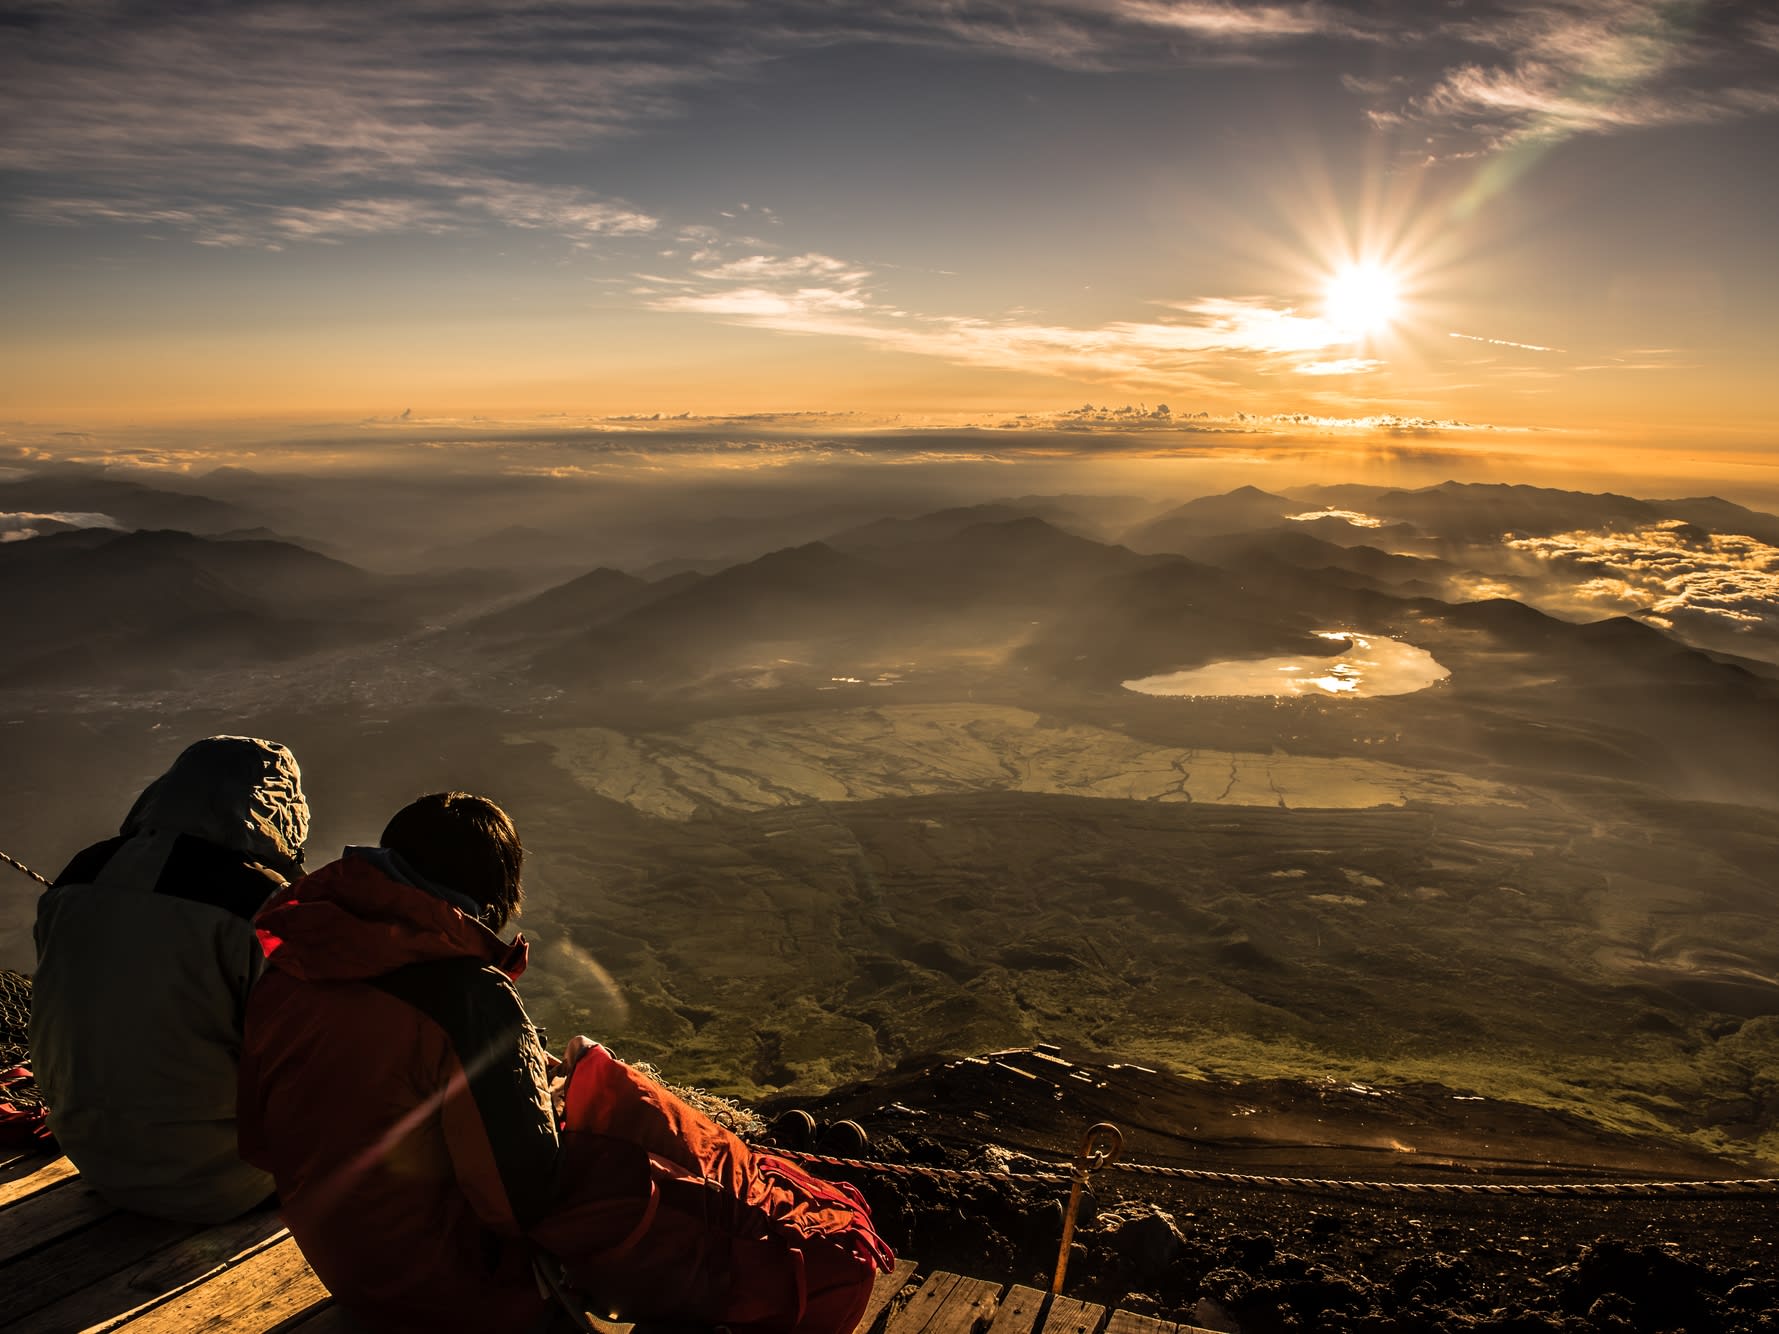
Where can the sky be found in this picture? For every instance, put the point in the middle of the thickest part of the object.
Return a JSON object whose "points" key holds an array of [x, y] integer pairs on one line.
{"points": [[1537, 229]]}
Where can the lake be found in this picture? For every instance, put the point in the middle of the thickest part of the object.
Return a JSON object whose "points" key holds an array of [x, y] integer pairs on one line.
{"points": [[1373, 665]]}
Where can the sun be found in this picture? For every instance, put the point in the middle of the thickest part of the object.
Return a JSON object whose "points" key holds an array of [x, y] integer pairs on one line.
{"points": [[1362, 299]]}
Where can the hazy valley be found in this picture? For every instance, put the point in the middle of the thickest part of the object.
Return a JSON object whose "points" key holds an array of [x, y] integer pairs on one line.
{"points": [[818, 789]]}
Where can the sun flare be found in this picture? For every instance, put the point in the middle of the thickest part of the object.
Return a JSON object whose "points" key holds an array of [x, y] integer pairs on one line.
{"points": [[1362, 299]]}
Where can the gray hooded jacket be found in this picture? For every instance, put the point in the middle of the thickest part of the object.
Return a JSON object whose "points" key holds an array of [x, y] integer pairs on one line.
{"points": [[145, 955]]}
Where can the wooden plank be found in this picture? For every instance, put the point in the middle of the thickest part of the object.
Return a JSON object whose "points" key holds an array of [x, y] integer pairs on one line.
{"points": [[969, 1310], [885, 1287], [1019, 1311], [948, 1304], [75, 1262], [1068, 1316], [269, 1290], [1129, 1322], [48, 1215], [155, 1277], [913, 1318], [24, 1177]]}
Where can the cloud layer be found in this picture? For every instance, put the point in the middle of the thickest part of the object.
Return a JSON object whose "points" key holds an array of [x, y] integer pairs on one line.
{"points": [[18, 525], [1673, 574]]}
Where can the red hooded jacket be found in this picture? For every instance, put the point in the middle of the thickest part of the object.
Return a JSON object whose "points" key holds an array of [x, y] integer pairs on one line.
{"points": [[395, 1090], [393, 1086]]}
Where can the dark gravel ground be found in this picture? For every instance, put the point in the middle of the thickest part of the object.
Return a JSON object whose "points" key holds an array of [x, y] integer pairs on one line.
{"points": [[1259, 1260]]}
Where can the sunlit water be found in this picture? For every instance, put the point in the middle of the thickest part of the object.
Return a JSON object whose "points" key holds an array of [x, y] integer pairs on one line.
{"points": [[1353, 518], [1370, 667]]}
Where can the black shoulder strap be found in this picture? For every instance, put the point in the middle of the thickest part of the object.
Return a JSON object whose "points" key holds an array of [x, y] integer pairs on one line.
{"points": [[195, 869], [204, 873], [88, 862], [481, 1013]]}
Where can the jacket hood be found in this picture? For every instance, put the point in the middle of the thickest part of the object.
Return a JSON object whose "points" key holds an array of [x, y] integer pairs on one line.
{"points": [[354, 919], [237, 792]]}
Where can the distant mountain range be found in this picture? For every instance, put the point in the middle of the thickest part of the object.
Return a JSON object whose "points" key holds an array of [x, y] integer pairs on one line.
{"points": [[942, 524], [98, 604], [941, 585], [108, 603], [1216, 577], [130, 504], [1240, 511]]}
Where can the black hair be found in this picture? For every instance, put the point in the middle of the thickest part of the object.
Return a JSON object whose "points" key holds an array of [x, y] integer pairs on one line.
{"points": [[465, 843]]}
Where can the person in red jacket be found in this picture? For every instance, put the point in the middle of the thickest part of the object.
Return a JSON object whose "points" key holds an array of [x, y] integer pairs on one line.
{"points": [[393, 1086], [391, 1082]]}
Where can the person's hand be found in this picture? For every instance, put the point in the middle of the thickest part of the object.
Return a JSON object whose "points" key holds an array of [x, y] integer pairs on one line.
{"points": [[561, 1070], [578, 1046]]}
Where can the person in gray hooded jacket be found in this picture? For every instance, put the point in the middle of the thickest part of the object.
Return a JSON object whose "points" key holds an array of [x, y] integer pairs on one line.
{"points": [[146, 953]]}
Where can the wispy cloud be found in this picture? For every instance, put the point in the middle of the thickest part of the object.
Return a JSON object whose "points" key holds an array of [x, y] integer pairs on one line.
{"points": [[1238, 22], [1339, 366], [1542, 73], [1095, 34], [239, 224], [1197, 344], [257, 124], [572, 214], [327, 119], [563, 209], [338, 85], [1643, 359], [1504, 342]]}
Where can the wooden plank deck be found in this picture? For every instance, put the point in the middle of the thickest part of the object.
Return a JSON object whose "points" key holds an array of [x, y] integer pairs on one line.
{"points": [[69, 1262]]}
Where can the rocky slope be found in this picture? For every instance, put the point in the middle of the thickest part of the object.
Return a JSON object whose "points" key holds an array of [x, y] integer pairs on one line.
{"points": [[1257, 1259]]}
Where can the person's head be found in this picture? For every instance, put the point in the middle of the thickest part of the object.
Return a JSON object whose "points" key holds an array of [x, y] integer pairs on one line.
{"points": [[238, 792], [465, 843]]}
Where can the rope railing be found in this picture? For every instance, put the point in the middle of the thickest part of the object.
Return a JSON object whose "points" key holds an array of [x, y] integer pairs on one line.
{"points": [[1599, 1189], [18, 865]]}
